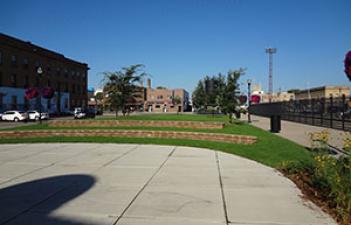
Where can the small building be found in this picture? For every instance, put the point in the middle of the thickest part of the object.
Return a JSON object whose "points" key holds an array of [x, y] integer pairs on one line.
{"points": [[278, 97], [322, 92], [165, 100]]}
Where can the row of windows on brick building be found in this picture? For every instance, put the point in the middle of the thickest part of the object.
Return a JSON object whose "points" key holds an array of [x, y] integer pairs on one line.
{"points": [[25, 63], [59, 86]]}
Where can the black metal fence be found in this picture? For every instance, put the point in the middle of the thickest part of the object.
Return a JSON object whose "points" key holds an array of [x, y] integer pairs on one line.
{"points": [[325, 112]]}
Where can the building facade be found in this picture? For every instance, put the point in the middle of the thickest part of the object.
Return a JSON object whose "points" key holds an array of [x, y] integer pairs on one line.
{"points": [[322, 92], [280, 96], [165, 100], [19, 61]]}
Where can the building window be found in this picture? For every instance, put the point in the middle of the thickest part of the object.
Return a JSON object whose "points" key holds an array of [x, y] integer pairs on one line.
{"points": [[13, 80], [58, 71], [66, 73], [157, 106], [0, 58], [48, 70], [0, 78], [66, 87], [58, 86], [49, 83], [37, 64], [49, 104], [73, 88], [13, 60], [25, 62], [26, 103], [26, 81]]}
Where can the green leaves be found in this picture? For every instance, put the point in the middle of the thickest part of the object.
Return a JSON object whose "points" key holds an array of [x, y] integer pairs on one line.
{"points": [[121, 87], [218, 92]]}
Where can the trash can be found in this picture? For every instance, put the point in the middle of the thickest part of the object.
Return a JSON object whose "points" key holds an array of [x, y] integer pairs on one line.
{"points": [[275, 124]]}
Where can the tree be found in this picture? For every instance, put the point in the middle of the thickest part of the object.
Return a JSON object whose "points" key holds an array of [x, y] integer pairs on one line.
{"points": [[230, 102], [220, 92], [121, 88], [199, 96]]}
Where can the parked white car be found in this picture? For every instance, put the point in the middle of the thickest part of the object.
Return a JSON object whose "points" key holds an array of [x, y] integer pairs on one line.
{"points": [[14, 115], [34, 115]]}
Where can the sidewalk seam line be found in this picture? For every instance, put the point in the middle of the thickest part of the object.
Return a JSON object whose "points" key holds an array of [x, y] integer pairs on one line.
{"points": [[222, 191], [144, 186]]}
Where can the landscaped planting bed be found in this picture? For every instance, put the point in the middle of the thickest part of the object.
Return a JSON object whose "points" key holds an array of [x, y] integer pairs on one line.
{"points": [[136, 123]]}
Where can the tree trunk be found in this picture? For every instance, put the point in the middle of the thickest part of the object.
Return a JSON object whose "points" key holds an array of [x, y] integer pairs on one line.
{"points": [[230, 117]]}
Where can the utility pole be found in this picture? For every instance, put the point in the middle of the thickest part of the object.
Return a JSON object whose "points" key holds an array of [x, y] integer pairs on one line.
{"points": [[270, 52]]}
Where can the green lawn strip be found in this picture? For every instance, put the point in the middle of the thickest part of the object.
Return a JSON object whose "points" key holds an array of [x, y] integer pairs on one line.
{"points": [[270, 149]]}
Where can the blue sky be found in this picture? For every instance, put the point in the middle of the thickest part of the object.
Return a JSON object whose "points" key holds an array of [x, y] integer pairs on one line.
{"points": [[181, 41]]}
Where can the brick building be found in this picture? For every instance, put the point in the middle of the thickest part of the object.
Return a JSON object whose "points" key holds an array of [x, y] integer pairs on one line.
{"points": [[165, 100], [19, 61], [322, 92]]}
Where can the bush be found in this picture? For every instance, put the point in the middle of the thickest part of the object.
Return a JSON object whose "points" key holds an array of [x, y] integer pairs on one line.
{"points": [[328, 175]]}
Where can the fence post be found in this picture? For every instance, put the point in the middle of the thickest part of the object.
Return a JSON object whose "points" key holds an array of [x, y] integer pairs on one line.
{"points": [[312, 111], [331, 111], [343, 112], [322, 110]]}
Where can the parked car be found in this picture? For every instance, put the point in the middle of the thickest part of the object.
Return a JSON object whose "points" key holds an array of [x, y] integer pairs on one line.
{"points": [[1, 113], [346, 114], [34, 115], [80, 114], [14, 115]]}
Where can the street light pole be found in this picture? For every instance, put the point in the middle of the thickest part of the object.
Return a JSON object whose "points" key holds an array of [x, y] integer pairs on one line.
{"points": [[40, 73], [249, 100]]}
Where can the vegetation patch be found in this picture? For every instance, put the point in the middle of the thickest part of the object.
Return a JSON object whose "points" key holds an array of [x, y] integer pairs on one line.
{"points": [[324, 179]]}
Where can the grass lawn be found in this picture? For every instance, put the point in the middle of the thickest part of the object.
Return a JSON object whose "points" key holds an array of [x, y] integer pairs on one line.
{"points": [[171, 117], [270, 149]]}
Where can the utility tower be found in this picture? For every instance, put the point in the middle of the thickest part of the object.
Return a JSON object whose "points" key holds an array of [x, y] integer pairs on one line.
{"points": [[270, 52]]}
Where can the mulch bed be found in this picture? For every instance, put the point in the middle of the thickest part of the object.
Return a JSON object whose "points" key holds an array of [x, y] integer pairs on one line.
{"points": [[303, 182]]}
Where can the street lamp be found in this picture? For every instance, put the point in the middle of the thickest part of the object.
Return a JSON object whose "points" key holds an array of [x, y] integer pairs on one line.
{"points": [[40, 74], [249, 99]]}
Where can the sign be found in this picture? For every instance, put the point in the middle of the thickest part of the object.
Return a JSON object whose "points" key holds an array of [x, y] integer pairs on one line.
{"points": [[255, 98]]}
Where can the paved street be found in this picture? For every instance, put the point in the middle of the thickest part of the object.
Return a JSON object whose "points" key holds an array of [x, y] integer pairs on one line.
{"points": [[105, 184]]}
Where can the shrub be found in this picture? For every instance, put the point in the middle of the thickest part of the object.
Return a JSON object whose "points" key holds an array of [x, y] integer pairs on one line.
{"points": [[328, 175]]}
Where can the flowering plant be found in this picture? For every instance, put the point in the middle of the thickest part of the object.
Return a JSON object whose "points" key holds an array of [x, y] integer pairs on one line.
{"points": [[347, 63], [47, 92], [255, 98], [242, 99], [31, 93]]}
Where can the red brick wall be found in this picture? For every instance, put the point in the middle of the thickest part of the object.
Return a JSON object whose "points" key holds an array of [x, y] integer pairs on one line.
{"points": [[228, 138]]}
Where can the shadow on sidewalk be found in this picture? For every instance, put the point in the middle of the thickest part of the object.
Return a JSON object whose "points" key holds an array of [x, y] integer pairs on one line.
{"points": [[32, 202]]}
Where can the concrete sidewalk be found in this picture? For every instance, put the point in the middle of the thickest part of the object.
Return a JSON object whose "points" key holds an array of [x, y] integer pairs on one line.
{"points": [[299, 132], [105, 184]]}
